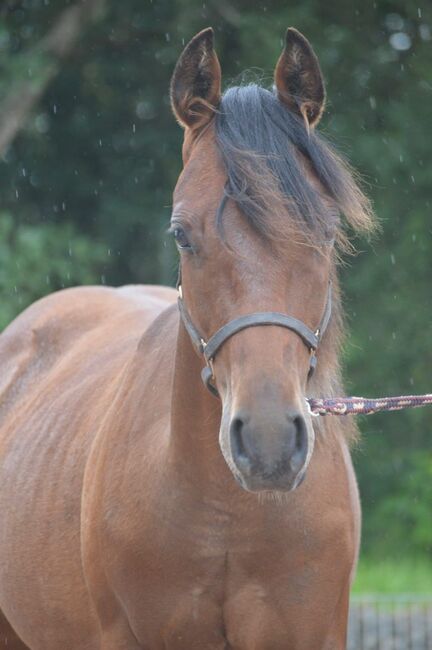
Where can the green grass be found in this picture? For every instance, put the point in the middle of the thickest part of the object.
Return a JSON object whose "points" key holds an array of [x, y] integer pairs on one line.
{"points": [[393, 576]]}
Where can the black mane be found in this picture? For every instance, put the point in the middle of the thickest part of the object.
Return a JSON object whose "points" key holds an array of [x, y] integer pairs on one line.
{"points": [[260, 141]]}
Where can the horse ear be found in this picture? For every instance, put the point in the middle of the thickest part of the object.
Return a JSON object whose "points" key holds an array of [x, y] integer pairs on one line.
{"points": [[298, 78], [196, 82]]}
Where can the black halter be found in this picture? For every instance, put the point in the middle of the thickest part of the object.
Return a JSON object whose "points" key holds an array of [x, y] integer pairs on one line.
{"points": [[210, 348]]}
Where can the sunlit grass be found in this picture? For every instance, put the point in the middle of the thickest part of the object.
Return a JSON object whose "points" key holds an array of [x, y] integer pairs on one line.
{"points": [[377, 576]]}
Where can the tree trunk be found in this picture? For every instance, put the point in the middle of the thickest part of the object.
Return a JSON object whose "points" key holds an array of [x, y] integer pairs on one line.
{"points": [[51, 50]]}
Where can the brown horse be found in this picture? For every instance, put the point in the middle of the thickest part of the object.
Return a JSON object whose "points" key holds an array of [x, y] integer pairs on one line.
{"points": [[137, 510]]}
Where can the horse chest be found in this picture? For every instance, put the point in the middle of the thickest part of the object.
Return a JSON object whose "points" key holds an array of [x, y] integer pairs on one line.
{"points": [[204, 573], [216, 594], [189, 602]]}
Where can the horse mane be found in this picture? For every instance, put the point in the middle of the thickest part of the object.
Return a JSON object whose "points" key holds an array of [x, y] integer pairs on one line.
{"points": [[288, 180], [284, 177]]}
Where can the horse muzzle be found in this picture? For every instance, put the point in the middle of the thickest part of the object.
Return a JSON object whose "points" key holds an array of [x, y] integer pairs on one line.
{"points": [[269, 453]]}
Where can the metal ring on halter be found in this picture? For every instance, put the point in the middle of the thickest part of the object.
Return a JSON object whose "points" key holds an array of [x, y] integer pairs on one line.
{"points": [[309, 410]]}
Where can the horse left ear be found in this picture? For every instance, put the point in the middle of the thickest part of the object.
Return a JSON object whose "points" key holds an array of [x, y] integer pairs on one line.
{"points": [[298, 78], [196, 82]]}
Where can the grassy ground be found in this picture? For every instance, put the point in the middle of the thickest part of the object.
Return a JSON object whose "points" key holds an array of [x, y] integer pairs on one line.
{"points": [[393, 576]]}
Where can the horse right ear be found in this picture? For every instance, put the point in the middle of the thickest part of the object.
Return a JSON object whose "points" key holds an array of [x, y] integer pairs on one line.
{"points": [[196, 82]]}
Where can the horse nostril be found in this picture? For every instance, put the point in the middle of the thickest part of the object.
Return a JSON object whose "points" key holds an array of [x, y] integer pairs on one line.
{"points": [[237, 443], [238, 447], [299, 426], [301, 443]]}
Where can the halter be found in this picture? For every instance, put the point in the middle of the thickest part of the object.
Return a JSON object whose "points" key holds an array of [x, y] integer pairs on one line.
{"points": [[210, 347], [316, 406]]}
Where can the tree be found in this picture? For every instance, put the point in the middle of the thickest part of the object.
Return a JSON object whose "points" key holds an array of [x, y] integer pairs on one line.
{"points": [[38, 67]]}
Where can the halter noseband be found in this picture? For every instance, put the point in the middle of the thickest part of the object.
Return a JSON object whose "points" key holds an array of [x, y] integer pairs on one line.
{"points": [[210, 348]]}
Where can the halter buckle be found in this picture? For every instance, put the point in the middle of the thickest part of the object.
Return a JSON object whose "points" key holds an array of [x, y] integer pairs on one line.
{"points": [[208, 379], [312, 362]]}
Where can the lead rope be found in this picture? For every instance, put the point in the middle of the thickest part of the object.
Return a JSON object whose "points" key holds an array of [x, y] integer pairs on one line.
{"points": [[364, 405]]}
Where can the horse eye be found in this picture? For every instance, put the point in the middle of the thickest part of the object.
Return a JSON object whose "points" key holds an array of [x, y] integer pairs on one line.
{"points": [[181, 238]]}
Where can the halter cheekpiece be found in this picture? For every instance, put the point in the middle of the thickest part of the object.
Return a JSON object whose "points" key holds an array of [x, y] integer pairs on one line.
{"points": [[210, 347]]}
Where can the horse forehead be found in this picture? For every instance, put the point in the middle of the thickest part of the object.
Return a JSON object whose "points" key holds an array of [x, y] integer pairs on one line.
{"points": [[203, 175], [204, 140]]}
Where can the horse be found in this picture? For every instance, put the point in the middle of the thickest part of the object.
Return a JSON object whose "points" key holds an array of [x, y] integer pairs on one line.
{"points": [[139, 509]]}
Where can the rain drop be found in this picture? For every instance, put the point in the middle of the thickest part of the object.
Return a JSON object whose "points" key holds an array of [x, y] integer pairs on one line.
{"points": [[400, 41], [394, 22], [425, 32]]}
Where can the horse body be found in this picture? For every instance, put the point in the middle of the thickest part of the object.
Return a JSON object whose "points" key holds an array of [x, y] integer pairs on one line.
{"points": [[140, 512], [168, 537], [213, 578]]}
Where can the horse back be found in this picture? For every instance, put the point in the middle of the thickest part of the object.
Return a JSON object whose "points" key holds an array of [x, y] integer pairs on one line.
{"points": [[69, 327]]}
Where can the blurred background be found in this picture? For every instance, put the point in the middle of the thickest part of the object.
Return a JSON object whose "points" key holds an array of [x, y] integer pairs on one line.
{"points": [[89, 155]]}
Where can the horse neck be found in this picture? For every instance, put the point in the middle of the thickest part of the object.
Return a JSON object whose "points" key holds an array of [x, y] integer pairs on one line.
{"points": [[195, 421]]}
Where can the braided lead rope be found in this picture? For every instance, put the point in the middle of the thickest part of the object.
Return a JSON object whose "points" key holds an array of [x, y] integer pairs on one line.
{"points": [[363, 405]]}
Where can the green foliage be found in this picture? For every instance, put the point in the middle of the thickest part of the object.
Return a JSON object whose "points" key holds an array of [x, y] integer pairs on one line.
{"points": [[98, 160], [392, 576], [38, 259], [407, 510]]}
